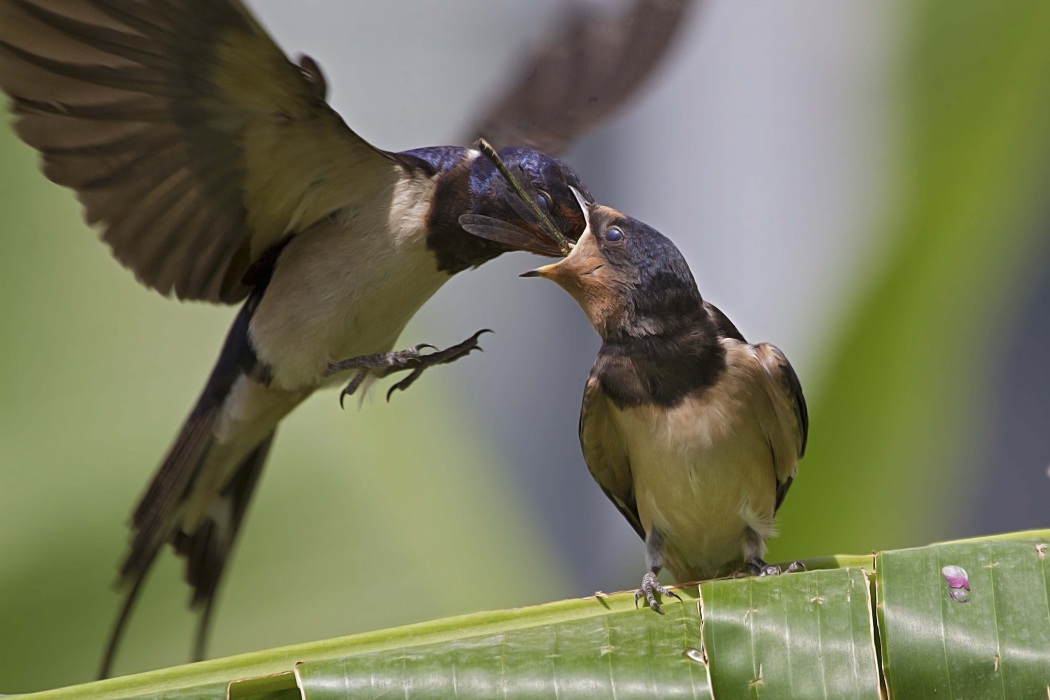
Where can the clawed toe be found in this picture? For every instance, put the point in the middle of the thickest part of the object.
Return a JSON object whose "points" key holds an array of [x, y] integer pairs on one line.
{"points": [[650, 598], [352, 386], [405, 383], [650, 587], [411, 360], [757, 567], [438, 357]]}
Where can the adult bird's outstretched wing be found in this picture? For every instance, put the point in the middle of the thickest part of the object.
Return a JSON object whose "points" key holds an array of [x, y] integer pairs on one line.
{"points": [[591, 68], [190, 139]]}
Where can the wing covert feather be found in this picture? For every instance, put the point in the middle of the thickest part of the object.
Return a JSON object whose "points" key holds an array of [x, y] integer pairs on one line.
{"points": [[792, 430], [190, 139], [605, 453]]}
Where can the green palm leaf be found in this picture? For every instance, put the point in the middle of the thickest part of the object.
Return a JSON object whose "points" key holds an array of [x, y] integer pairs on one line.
{"points": [[964, 619]]}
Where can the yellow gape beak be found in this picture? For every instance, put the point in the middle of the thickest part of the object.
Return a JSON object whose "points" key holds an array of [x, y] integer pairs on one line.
{"points": [[582, 257]]}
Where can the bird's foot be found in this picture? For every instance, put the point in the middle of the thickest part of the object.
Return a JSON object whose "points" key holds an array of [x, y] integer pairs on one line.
{"points": [[650, 587], [757, 567], [412, 360]]}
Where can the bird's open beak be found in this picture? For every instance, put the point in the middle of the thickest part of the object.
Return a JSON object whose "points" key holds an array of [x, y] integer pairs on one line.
{"points": [[540, 271], [585, 259]]}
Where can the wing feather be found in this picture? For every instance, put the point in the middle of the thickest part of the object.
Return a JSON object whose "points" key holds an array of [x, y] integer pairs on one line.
{"points": [[788, 437], [605, 453], [190, 138], [588, 71]]}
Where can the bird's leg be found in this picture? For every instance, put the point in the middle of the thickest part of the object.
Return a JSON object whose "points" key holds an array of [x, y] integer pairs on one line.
{"points": [[411, 360], [654, 559], [758, 567], [754, 548], [650, 587]]}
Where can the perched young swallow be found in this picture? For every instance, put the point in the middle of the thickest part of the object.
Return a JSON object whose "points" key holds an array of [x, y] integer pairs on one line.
{"points": [[694, 433]]}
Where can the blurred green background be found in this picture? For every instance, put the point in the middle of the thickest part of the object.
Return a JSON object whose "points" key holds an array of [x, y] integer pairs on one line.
{"points": [[919, 353]]}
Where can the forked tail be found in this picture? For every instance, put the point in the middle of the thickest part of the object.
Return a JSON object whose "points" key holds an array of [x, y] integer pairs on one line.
{"points": [[162, 515]]}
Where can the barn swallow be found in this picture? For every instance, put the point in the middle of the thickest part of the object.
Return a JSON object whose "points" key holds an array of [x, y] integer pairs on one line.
{"points": [[692, 432], [216, 171]]}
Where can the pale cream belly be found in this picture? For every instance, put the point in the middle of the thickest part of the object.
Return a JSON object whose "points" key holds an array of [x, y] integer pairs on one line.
{"points": [[337, 296], [702, 480]]}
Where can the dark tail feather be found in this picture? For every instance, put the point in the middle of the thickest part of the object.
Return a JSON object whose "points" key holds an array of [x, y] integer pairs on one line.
{"points": [[172, 477], [155, 521], [208, 549], [152, 525], [164, 495], [117, 631], [154, 515]]}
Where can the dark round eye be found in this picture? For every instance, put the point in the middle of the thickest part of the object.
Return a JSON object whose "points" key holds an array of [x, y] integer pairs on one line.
{"points": [[544, 200], [613, 234]]}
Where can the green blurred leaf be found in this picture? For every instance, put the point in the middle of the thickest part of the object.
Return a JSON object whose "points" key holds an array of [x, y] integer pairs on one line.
{"points": [[903, 407]]}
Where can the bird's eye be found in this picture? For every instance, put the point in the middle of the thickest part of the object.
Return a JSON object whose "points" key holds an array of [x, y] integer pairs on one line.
{"points": [[544, 200], [613, 234]]}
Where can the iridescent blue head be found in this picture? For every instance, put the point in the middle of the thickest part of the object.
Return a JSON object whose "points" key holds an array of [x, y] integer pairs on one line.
{"points": [[627, 277], [545, 181], [470, 185]]}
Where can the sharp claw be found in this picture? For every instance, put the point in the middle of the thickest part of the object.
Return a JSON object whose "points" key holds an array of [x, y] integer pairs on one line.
{"points": [[650, 587], [404, 360], [404, 383], [352, 386], [759, 568]]}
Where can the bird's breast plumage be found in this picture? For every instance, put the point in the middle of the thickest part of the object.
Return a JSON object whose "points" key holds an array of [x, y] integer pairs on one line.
{"points": [[348, 287], [702, 475]]}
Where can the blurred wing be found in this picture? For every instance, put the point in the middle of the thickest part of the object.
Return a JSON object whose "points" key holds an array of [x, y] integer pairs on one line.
{"points": [[187, 134], [785, 393], [579, 78], [605, 455]]}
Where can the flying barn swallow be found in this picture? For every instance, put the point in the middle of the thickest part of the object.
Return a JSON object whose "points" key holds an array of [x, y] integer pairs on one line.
{"points": [[692, 432], [216, 171]]}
